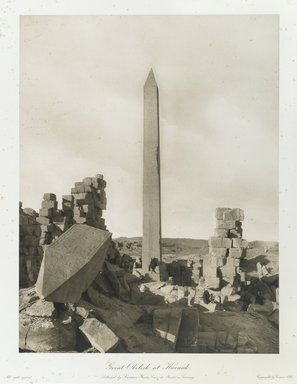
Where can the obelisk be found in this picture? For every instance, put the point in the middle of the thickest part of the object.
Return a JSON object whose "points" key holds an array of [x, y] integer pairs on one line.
{"points": [[151, 246]]}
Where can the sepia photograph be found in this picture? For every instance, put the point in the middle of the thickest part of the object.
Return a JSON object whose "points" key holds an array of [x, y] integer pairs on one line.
{"points": [[149, 184]]}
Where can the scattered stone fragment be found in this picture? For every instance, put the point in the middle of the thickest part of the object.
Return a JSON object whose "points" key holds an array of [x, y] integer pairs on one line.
{"points": [[99, 335]]}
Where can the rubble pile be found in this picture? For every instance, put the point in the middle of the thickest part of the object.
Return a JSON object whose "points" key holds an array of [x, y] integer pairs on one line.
{"points": [[89, 199], [226, 249]]}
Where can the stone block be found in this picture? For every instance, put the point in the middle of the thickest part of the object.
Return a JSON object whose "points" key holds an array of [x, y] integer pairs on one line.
{"points": [[166, 324], [83, 198], [46, 212], [218, 252], [187, 341], [87, 181], [71, 263], [239, 243], [78, 184], [79, 220], [236, 214], [221, 232], [49, 204], [234, 233], [209, 270], [220, 212], [67, 198], [228, 271], [219, 242], [99, 335], [236, 253], [74, 191], [45, 335], [212, 282], [230, 224], [49, 196], [233, 262]]}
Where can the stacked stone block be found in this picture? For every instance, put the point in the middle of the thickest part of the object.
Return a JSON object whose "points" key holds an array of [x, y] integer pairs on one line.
{"points": [[89, 200], [225, 248], [49, 216], [29, 250]]}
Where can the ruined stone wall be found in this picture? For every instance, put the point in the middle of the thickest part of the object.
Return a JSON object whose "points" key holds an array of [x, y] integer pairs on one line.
{"points": [[226, 249], [30, 252], [83, 206]]}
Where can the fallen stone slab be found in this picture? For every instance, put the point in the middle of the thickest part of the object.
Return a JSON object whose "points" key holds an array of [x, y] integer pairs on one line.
{"points": [[99, 335], [166, 324], [71, 263]]}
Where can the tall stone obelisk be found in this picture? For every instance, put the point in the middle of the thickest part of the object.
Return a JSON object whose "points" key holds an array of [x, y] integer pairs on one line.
{"points": [[151, 246]]}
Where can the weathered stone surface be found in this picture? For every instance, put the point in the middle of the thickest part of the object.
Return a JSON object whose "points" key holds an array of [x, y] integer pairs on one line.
{"points": [[228, 271], [71, 263], [99, 335], [221, 232], [151, 247], [40, 309], [236, 253], [230, 224], [49, 204], [46, 212], [43, 220], [218, 252], [208, 341], [187, 341], [220, 212], [166, 324], [45, 334], [231, 261], [49, 196], [212, 282], [236, 214], [239, 243], [219, 242]]}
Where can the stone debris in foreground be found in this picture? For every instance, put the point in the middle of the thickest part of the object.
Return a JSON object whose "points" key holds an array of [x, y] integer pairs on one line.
{"points": [[166, 324], [71, 263], [99, 335]]}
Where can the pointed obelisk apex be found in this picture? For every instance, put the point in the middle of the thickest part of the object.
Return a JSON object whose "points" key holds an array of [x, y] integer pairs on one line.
{"points": [[151, 243]]}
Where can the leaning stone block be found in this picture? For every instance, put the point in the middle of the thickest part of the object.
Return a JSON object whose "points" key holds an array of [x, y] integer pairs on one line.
{"points": [[166, 324], [99, 335], [49, 196], [234, 214], [221, 232], [240, 243], [187, 341], [71, 263], [230, 224]]}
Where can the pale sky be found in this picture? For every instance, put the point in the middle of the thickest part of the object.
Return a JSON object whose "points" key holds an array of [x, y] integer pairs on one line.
{"points": [[81, 108]]}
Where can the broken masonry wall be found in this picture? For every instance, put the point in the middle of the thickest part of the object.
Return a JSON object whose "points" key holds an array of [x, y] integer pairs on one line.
{"points": [[226, 249], [84, 205], [30, 252]]}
